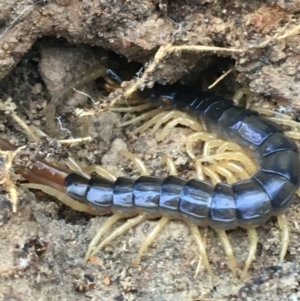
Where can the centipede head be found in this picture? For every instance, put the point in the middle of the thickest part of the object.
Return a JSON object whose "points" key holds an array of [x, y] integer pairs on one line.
{"points": [[166, 95]]}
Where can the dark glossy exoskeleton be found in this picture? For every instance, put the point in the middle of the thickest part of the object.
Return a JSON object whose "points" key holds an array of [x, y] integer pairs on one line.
{"points": [[245, 203]]}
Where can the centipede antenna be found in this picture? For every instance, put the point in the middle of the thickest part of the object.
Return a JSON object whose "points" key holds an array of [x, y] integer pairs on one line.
{"points": [[253, 239], [137, 161], [138, 108], [201, 247], [103, 228], [120, 230], [158, 227], [228, 249], [170, 164], [285, 235]]}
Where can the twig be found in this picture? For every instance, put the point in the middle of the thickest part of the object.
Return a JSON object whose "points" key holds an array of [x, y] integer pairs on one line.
{"points": [[19, 16], [220, 78]]}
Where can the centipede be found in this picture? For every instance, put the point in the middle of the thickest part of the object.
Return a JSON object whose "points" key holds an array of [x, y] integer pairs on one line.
{"points": [[247, 203]]}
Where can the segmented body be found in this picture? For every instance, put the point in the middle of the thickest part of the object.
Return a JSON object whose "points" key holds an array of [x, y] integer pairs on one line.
{"points": [[245, 203]]}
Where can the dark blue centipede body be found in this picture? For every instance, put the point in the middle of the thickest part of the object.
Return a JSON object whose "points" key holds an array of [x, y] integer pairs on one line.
{"points": [[245, 203]]}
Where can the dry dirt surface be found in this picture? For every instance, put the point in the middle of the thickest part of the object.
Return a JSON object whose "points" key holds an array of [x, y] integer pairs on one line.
{"points": [[44, 46]]}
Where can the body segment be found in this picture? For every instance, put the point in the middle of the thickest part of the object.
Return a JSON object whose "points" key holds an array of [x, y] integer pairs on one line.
{"points": [[245, 203]]}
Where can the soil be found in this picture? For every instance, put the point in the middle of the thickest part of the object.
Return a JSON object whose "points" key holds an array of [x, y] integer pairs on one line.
{"points": [[43, 244]]}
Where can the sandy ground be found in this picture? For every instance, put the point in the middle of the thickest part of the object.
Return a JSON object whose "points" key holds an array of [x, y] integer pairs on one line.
{"points": [[43, 244]]}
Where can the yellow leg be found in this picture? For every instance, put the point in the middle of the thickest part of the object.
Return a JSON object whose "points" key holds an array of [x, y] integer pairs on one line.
{"points": [[100, 171], [228, 249], [284, 121], [87, 170], [212, 175], [141, 117], [184, 120], [164, 117], [74, 166], [293, 134], [267, 111], [195, 137], [239, 171], [103, 228], [201, 247], [137, 161], [240, 93], [209, 145], [228, 146], [285, 235], [230, 178], [170, 164], [120, 230], [199, 170], [253, 239], [236, 156], [160, 224], [153, 121]]}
